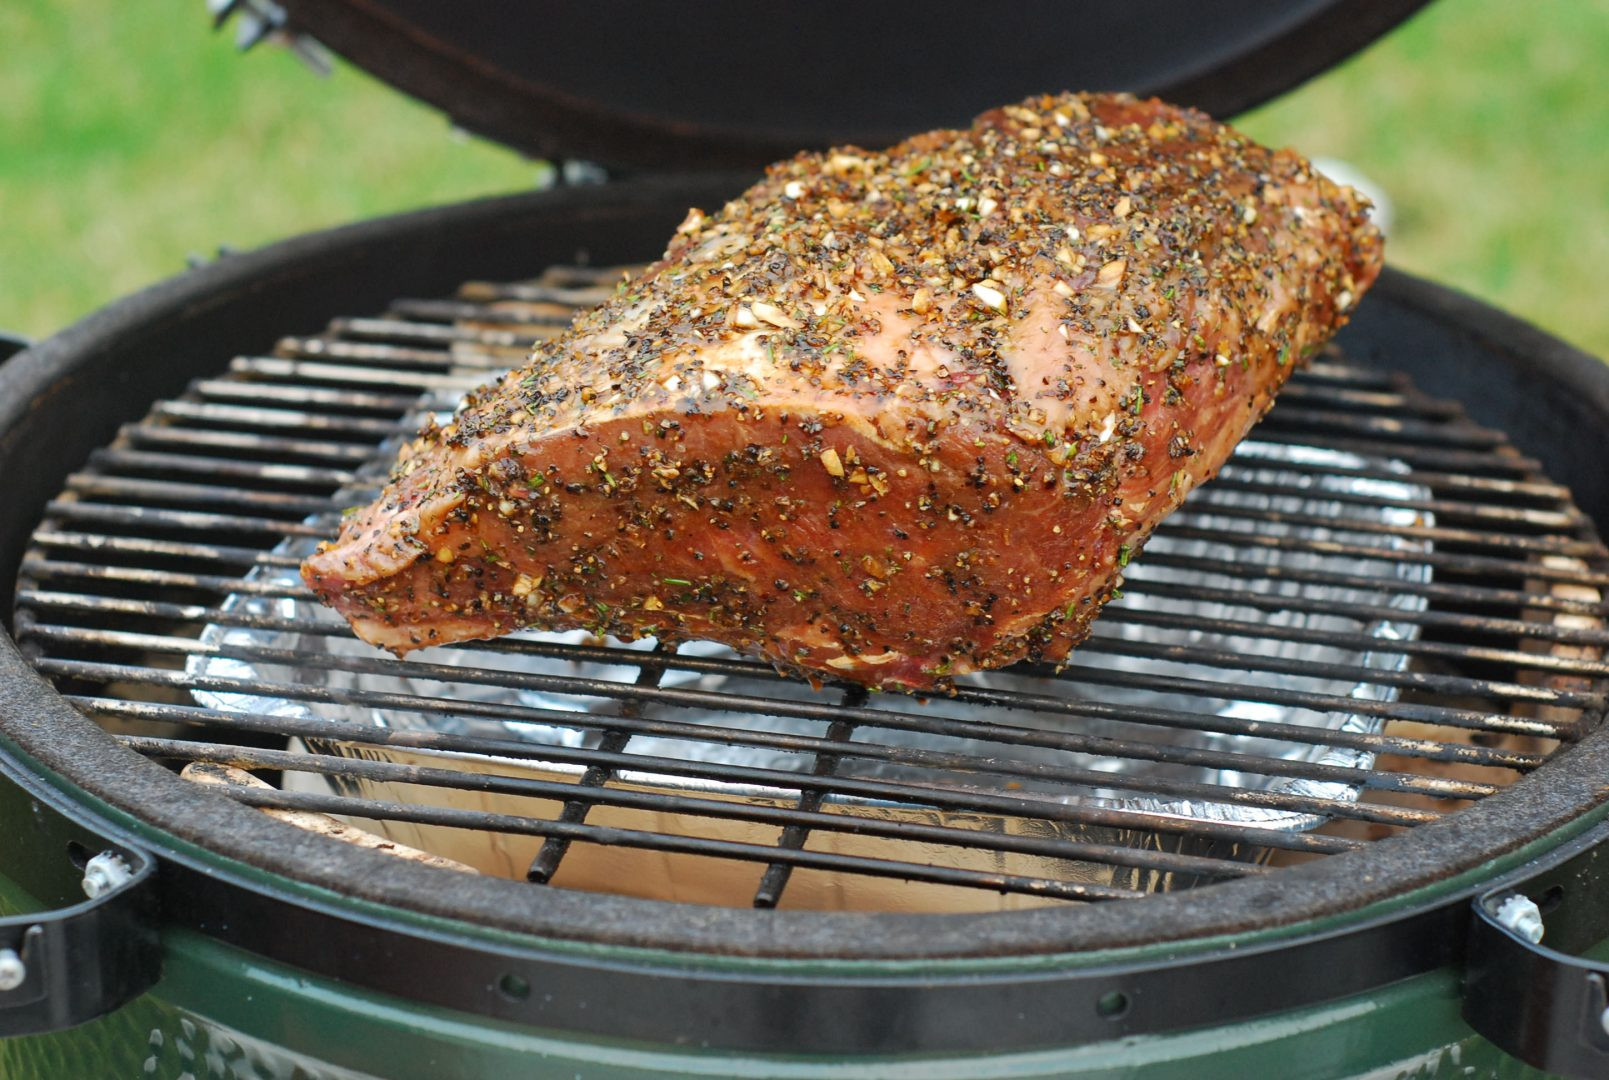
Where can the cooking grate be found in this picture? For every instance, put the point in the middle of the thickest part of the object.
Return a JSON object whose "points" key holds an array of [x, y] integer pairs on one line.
{"points": [[1439, 635]]}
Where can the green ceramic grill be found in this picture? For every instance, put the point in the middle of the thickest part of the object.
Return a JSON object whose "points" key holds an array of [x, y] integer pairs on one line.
{"points": [[1325, 794]]}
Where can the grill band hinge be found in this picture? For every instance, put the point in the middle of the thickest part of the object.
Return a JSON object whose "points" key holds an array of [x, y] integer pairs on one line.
{"points": [[97, 948], [1544, 1004]]}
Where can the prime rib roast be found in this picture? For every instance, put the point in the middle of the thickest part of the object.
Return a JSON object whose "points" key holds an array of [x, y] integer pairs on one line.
{"points": [[887, 416]]}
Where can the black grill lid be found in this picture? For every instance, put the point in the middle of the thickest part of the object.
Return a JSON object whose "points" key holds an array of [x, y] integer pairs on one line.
{"points": [[726, 83]]}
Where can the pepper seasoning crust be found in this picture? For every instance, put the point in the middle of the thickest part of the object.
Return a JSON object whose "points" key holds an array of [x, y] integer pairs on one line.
{"points": [[887, 416]]}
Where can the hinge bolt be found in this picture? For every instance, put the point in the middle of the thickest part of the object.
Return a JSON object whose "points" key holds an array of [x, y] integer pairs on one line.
{"points": [[12, 970], [1522, 916], [104, 873]]}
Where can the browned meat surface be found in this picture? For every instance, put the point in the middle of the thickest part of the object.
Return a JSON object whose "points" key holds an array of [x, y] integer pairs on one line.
{"points": [[886, 416]]}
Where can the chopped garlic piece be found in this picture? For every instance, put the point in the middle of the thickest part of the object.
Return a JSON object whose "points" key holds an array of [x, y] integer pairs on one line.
{"points": [[772, 314], [1110, 276], [989, 296]]}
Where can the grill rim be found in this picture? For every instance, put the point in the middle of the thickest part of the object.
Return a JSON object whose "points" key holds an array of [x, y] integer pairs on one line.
{"points": [[1351, 885], [431, 249]]}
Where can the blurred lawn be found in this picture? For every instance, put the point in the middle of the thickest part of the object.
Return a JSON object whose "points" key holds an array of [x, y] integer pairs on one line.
{"points": [[131, 136]]}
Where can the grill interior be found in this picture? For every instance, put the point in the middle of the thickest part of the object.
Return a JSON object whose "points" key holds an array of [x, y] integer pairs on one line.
{"points": [[1387, 615]]}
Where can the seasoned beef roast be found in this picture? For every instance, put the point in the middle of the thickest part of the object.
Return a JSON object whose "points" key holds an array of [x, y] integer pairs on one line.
{"points": [[886, 416]]}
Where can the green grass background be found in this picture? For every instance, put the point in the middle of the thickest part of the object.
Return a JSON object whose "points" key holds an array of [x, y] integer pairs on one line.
{"points": [[131, 136]]}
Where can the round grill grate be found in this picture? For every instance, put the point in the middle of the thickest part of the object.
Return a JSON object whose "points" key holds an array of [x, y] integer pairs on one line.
{"points": [[1378, 614]]}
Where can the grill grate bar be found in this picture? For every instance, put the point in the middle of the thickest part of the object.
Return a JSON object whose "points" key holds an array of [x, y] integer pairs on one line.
{"points": [[1395, 428], [1332, 367], [307, 369], [404, 330], [45, 570], [37, 569], [245, 442], [1374, 401], [1454, 508], [1459, 594], [527, 314], [1528, 661], [1517, 543], [188, 522], [856, 787], [171, 492], [597, 795], [358, 354], [1480, 565], [1414, 455], [229, 390], [614, 741], [875, 718], [1451, 621], [192, 464], [1418, 747], [1102, 641], [1115, 615], [265, 417], [775, 878], [1468, 595], [1418, 680], [1177, 528], [590, 290], [481, 821], [1464, 482], [366, 734]]}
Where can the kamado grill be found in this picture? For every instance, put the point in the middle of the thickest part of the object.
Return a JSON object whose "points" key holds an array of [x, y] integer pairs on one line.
{"points": [[1298, 808]]}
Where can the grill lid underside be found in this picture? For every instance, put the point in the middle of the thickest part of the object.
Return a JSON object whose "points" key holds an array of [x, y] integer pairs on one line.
{"points": [[726, 85]]}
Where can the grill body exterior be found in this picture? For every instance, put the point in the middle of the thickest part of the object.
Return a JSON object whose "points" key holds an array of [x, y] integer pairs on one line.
{"points": [[606, 986]]}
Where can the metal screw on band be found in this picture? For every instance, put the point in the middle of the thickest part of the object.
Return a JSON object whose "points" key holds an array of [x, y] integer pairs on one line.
{"points": [[104, 873], [1522, 916], [12, 970]]}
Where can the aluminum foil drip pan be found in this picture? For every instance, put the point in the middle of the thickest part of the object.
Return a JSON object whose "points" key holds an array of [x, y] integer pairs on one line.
{"points": [[535, 687]]}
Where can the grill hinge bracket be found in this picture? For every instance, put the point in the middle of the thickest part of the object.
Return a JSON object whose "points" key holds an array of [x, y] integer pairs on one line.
{"points": [[98, 948], [1545, 1004]]}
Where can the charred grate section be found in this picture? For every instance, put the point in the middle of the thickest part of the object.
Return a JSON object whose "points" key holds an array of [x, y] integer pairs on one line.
{"points": [[1378, 615]]}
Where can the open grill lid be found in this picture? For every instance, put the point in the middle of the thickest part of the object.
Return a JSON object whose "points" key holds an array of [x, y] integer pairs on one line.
{"points": [[724, 84]]}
